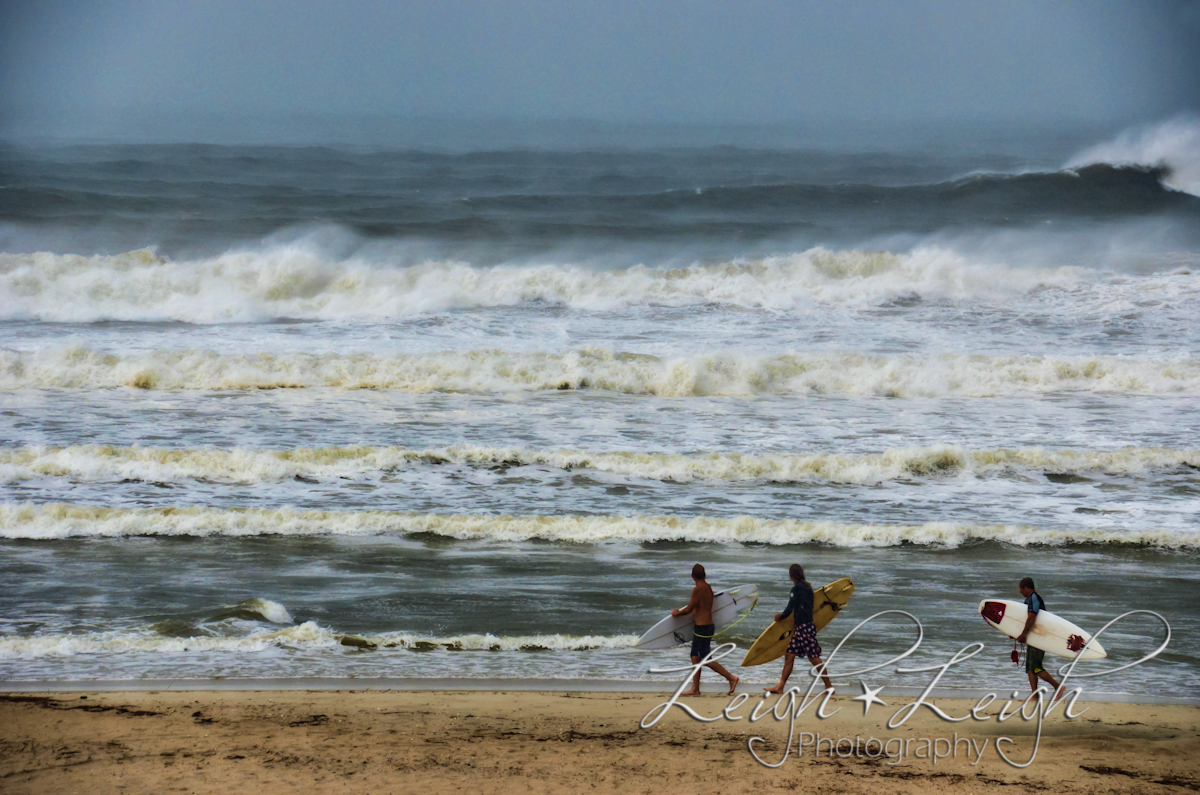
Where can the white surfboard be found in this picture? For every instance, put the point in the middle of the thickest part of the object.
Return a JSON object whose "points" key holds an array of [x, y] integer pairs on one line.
{"points": [[1052, 634], [728, 606]]}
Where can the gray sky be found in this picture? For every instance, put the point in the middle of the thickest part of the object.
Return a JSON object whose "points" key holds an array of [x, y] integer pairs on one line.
{"points": [[1101, 62]]}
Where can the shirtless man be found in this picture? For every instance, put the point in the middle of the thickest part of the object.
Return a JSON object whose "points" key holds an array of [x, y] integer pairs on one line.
{"points": [[701, 604]]}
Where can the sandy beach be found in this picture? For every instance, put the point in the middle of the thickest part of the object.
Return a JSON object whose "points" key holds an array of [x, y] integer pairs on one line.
{"points": [[381, 742]]}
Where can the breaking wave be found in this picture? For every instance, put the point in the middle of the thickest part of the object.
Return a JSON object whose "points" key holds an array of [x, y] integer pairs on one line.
{"points": [[1172, 145], [307, 636], [489, 371], [298, 281], [255, 610], [238, 465], [58, 520]]}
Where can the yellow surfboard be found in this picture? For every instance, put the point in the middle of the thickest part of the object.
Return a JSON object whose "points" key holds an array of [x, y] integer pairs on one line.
{"points": [[772, 644]]}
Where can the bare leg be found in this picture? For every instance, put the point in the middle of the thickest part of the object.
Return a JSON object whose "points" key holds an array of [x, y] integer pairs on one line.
{"points": [[789, 660], [730, 678], [824, 676], [695, 691], [1058, 689]]}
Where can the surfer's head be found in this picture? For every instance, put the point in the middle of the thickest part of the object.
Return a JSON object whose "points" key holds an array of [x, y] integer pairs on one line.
{"points": [[697, 572], [1026, 586], [796, 572]]}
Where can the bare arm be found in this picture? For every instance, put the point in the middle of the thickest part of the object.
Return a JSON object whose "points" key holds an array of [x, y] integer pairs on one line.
{"points": [[1028, 626], [691, 605]]}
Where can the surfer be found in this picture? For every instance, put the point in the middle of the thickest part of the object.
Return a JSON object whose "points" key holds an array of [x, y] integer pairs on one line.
{"points": [[804, 638], [1034, 658], [701, 604]]}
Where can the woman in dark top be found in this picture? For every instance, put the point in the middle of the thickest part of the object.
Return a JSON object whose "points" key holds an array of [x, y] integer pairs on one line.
{"points": [[804, 638]]}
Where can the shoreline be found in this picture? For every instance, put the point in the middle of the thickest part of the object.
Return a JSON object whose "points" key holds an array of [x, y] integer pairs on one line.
{"points": [[500, 685]]}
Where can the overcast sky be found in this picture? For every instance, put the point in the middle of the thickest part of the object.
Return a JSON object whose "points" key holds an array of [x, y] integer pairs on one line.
{"points": [[1100, 62]]}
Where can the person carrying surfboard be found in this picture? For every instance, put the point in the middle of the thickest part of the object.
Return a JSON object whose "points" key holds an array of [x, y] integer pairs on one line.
{"points": [[701, 604], [1034, 658], [804, 639]]}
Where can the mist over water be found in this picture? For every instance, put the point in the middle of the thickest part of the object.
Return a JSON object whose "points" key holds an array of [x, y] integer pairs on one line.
{"points": [[297, 410]]}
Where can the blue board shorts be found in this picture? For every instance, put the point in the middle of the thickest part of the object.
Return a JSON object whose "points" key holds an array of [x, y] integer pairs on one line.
{"points": [[702, 640]]}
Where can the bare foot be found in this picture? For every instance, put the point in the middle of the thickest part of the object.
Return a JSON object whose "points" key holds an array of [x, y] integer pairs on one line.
{"points": [[830, 691], [774, 691], [690, 693], [1034, 695], [733, 684]]}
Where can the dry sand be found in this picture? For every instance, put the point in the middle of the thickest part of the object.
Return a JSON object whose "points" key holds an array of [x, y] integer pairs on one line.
{"points": [[431, 742]]}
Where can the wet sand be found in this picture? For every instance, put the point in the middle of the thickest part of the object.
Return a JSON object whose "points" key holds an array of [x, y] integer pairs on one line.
{"points": [[519, 742]]}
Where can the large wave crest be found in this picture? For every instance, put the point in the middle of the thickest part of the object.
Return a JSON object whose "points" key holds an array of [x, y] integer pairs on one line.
{"points": [[1173, 145]]}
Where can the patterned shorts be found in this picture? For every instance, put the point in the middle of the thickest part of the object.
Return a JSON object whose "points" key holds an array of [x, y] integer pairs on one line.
{"points": [[804, 641]]}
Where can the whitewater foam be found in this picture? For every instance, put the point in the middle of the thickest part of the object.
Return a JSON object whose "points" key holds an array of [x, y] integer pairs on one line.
{"points": [[300, 281], [59, 520], [238, 465], [484, 371]]}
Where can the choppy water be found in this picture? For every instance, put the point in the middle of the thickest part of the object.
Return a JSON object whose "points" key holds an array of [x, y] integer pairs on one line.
{"points": [[286, 411]]}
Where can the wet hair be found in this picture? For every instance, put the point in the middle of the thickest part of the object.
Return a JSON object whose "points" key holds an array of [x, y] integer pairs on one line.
{"points": [[1026, 583], [796, 572], [698, 572]]}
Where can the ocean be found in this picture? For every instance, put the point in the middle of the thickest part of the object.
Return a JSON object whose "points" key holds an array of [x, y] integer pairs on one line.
{"points": [[333, 411]]}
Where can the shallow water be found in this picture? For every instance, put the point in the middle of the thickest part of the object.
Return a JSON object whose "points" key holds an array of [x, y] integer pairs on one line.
{"points": [[477, 415]]}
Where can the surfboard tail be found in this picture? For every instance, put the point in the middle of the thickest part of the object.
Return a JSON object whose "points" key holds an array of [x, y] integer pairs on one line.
{"points": [[992, 612]]}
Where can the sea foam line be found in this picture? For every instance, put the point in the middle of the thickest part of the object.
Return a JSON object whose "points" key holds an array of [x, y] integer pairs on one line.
{"points": [[59, 520], [497, 371], [239, 465], [308, 635], [298, 280]]}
